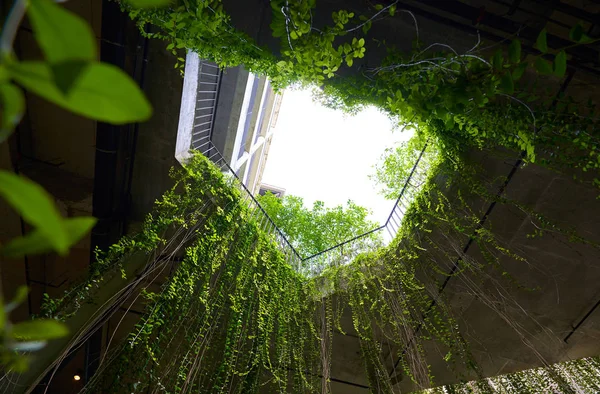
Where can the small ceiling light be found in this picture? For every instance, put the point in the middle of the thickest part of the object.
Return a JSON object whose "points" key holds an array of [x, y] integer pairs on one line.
{"points": [[76, 377]]}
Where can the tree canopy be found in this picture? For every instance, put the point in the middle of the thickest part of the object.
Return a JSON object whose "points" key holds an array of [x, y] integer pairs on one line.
{"points": [[395, 165], [313, 230]]}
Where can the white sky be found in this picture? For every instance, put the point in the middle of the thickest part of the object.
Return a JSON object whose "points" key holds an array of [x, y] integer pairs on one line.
{"points": [[321, 154]]}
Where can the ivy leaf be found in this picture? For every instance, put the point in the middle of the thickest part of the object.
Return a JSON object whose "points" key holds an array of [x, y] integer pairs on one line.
{"points": [[102, 92], [148, 3], [506, 83], [39, 330], [36, 242], [13, 107], [543, 66], [576, 33], [36, 207], [518, 71], [349, 61], [294, 35], [393, 10], [367, 26], [514, 51], [560, 64], [541, 43], [61, 34]]}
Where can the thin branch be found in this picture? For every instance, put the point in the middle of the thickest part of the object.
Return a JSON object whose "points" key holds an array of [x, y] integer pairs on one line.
{"points": [[523, 104], [478, 58], [287, 28], [9, 32], [476, 44], [373, 17]]}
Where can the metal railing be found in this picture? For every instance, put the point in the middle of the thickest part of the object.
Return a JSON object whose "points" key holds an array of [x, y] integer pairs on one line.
{"points": [[207, 95], [258, 214], [206, 104], [344, 252]]}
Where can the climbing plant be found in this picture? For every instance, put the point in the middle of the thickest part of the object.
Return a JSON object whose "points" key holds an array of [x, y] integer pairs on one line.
{"points": [[234, 316], [463, 100]]}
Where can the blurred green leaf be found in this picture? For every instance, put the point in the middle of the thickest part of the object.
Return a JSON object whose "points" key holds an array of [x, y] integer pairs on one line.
{"points": [[148, 3], [36, 242], [497, 60], [67, 73], [541, 43], [506, 83], [514, 51], [39, 330], [13, 107], [576, 33], [61, 34], [18, 299], [518, 71], [36, 207], [102, 91], [2, 314], [560, 64], [543, 66]]}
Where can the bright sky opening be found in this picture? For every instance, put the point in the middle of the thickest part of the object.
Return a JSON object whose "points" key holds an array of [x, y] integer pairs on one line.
{"points": [[321, 154]]}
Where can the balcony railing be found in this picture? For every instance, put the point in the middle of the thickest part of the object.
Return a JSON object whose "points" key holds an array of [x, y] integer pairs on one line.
{"points": [[344, 252], [207, 95]]}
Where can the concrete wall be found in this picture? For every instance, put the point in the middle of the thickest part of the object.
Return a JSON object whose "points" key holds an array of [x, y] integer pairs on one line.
{"points": [[157, 137], [227, 117]]}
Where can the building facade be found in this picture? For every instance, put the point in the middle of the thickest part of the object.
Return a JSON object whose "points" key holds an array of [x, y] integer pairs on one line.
{"points": [[231, 110]]}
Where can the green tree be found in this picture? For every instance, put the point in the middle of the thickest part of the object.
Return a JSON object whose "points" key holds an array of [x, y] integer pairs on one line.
{"points": [[313, 230], [396, 164]]}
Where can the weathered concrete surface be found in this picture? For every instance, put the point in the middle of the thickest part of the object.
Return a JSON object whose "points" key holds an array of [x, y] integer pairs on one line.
{"points": [[155, 150]]}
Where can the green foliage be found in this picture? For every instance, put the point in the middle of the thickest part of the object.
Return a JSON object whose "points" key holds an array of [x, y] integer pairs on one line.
{"points": [[514, 51], [308, 54], [148, 3], [571, 376], [39, 330], [540, 42], [396, 164], [13, 104], [62, 36], [313, 230], [16, 340], [69, 77], [433, 88], [560, 64], [36, 242], [36, 207], [118, 102], [234, 316]]}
